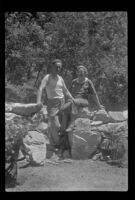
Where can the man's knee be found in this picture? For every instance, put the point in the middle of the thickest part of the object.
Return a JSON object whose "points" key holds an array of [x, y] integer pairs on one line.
{"points": [[55, 121]]}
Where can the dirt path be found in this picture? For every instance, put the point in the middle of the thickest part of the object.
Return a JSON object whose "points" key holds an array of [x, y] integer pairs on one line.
{"points": [[84, 175]]}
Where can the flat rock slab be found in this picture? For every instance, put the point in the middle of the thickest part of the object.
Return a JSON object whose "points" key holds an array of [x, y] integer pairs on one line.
{"points": [[103, 116], [112, 127], [23, 109], [118, 116], [125, 114]]}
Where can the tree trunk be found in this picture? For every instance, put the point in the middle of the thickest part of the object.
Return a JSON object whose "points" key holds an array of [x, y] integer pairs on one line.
{"points": [[37, 77]]}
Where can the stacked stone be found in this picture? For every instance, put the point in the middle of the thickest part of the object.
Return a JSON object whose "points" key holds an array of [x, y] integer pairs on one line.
{"points": [[100, 133]]}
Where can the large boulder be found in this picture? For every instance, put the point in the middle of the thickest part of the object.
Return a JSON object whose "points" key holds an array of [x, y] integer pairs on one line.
{"points": [[88, 137], [84, 143], [82, 140], [33, 133], [114, 146], [35, 146]]}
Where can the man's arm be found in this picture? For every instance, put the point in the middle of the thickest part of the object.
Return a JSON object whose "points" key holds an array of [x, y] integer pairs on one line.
{"points": [[66, 91], [95, 96], [42, 86]]}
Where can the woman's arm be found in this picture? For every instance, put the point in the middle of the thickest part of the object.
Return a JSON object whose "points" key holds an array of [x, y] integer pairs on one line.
{"points": [[95, 96]]}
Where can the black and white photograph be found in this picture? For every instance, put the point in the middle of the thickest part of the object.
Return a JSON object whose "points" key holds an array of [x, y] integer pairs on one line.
{"points": [[66, 101]]}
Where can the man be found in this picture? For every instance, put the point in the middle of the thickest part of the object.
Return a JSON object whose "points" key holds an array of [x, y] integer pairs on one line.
{"points": [[56, 91]]}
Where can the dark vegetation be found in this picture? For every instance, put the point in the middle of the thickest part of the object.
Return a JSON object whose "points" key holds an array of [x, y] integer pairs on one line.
{"points": [[96, 39]]}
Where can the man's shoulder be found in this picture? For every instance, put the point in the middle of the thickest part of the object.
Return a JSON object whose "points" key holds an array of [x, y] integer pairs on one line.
{"points": [[60, 78], [45, 78], [47, 75]]}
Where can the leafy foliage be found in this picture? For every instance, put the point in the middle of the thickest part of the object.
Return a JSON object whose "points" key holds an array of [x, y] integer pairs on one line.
{"points": [[96, 39]]}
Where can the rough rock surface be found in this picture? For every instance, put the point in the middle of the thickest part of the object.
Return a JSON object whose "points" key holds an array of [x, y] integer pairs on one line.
{"points": [[118, 116], [35, 145], [83, 142], [88, 137], [114, 146], [23, 109], [32, 130], [125, 114], [111, 127], [103, 116]]}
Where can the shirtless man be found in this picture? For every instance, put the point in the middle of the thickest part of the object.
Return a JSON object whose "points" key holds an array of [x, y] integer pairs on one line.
{"points": [[56, 91]]}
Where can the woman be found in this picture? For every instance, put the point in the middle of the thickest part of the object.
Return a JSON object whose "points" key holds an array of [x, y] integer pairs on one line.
{"points": [[81, 89]]}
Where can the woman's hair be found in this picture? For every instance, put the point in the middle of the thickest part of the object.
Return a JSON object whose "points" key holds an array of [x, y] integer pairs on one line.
{"points": [[82, 68]]}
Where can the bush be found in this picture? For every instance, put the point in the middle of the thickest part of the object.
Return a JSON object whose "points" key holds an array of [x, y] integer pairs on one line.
{"points": [[20, 94]]}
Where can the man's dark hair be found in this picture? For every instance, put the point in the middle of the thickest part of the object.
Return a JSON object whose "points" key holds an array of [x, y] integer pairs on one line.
{"points": [[56, 60]]}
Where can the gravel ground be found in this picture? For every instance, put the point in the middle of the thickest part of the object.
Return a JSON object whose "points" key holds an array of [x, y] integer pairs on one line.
{"points": [[78, 175]]}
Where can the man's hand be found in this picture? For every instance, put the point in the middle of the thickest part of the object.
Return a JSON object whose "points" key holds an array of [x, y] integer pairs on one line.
{"points": [[40, 104], [101, 107], [71, 100]]}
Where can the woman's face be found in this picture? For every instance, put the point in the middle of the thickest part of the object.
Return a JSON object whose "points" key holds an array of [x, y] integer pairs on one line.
{"points": [[81, 74]]}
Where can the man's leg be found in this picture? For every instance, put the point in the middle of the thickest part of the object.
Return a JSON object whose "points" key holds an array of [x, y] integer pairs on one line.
{"points": [[54, 127], [64, 116]]}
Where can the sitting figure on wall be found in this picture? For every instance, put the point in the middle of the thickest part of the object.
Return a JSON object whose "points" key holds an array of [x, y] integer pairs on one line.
{"points": [[81, 89]]}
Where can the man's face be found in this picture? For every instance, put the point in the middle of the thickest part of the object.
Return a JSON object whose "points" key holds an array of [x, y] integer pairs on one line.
{"points": [[56, 67]]}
